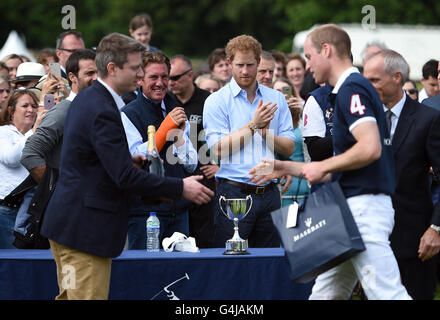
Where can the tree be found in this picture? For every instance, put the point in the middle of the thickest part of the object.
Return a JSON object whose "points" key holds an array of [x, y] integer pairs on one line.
{"points": [[195, 28]]}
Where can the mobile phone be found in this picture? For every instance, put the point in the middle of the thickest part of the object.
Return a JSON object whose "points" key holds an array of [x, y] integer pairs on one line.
{"points": [[287, 91], [55, 69], [49, 101]]}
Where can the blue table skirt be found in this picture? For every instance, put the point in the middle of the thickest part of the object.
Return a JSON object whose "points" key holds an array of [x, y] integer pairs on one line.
{"points": [[141, 275]]}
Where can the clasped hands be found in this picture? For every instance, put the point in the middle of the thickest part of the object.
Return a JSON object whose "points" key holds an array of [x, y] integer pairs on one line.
{"points": [[263, 116]]}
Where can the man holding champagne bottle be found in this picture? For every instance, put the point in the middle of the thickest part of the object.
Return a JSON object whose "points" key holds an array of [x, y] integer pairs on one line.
{"points": [[86, 219], [151, 107]]}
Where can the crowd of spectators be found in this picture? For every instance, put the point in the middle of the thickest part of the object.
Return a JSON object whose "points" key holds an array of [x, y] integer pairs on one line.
{"points": [[199, 103]]}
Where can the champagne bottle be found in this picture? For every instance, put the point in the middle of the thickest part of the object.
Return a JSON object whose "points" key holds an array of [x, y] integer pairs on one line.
{"points": [[153, 157], [153, 164]]}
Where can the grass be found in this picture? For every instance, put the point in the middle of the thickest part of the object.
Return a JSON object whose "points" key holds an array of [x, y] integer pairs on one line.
{"points": [[356, 295]]}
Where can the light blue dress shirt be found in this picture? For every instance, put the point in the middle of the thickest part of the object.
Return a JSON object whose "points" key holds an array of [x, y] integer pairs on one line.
{"points": [[228, 110]]}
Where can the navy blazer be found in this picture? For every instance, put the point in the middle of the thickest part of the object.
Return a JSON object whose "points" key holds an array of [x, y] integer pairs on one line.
{"points": [[416, 147], [433, 102], [88, 210]]}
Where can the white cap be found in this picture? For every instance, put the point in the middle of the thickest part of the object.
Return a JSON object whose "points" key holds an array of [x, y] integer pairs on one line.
{"points": [[29, 71]]}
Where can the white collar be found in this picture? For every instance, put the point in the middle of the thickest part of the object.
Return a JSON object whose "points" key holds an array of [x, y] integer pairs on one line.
{"points": [[14, 129], [397, 108], [119, 102], [71, 96], [342, 78]]}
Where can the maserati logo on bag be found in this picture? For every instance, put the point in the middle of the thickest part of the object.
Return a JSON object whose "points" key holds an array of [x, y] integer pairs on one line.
{"points": [[310, 228]]}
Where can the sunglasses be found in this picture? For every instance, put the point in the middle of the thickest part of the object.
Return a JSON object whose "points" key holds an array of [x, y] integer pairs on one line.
{"points": [[177, 77], [411, 91], [69, 50]]}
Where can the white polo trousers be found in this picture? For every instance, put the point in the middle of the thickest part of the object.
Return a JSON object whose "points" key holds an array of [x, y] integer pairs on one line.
{"points": [[376, 267]]}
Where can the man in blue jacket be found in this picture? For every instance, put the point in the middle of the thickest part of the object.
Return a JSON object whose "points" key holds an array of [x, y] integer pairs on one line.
{"points": [[86, 220]]}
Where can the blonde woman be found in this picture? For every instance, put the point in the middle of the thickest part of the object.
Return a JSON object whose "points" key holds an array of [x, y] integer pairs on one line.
{"points": [[18, 120]]}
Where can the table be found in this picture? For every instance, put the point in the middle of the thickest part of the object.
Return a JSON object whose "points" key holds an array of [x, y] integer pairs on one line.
{"points": [[141, 275]]}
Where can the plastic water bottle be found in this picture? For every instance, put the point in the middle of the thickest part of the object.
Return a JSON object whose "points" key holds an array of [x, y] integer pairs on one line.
{"points": [[153, 229]]}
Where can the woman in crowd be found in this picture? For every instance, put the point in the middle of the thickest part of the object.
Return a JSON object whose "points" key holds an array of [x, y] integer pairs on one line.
{"points": [[18, 120], [208, 82], [12, 61], [295, 71], [411, 90], [5, 89], [219, 66], [296, 108]]}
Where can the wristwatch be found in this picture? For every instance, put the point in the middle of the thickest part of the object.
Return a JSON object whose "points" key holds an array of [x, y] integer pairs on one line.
{"points": [[436, 228]]}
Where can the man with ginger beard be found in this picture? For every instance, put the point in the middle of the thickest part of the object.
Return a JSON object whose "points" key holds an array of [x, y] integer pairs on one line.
{"points": [[245, 121]]}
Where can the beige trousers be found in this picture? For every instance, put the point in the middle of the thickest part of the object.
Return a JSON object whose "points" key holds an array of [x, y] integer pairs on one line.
{"points": [[81, 276]]}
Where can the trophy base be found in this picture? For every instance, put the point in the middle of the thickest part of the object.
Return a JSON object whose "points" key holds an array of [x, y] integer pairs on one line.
{"points": [[235, 253], [236, 247]]}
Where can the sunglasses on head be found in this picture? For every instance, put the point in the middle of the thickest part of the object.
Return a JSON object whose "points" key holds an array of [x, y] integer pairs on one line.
{"points": [[411, 91], [177, 77]]}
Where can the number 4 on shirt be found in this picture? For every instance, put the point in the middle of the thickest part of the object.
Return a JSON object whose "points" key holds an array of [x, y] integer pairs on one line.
{"points": [[356, 105]]}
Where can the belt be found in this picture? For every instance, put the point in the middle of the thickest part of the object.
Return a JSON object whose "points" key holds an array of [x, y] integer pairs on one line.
{"points": [[9, 205], [249, 188]]}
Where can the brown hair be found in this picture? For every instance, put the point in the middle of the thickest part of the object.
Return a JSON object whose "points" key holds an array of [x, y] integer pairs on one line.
{"points": [[334, 35], [46, 53], [114, 48], [279, 56], [295, 56], [155, 57], [243, 43], [5, 115], [12, 56], [141, 20], [215, 57]]}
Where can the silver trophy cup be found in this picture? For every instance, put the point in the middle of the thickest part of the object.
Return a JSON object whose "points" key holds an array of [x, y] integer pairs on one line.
{"points": [[235, 211]]}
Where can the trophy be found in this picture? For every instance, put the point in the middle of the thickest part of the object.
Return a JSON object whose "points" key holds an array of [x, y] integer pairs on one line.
{"points": [[235, 211]]}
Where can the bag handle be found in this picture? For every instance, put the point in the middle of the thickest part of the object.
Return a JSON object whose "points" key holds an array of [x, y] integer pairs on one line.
{"points": [[306, 196], [301, 177]]}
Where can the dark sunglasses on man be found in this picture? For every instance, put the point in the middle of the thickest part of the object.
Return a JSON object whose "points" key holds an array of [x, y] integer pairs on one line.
{"points": [[177, 77], [69, 50]]}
